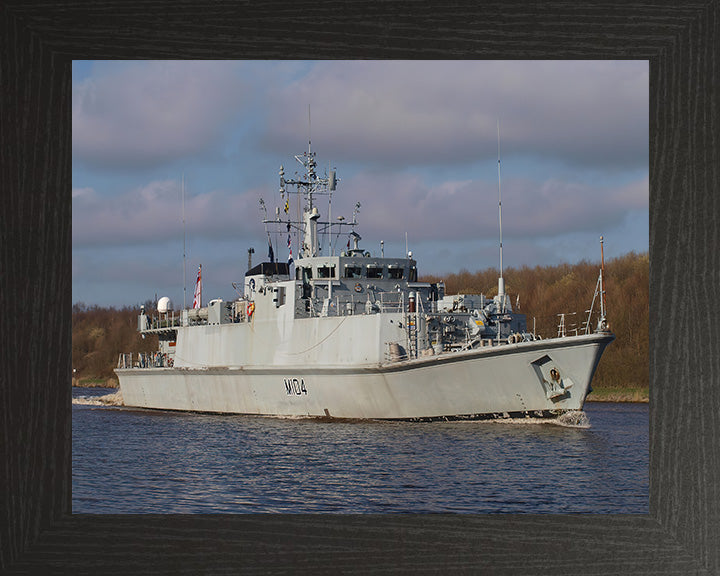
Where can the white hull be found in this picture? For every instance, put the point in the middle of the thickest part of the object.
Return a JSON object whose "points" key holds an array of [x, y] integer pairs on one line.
{"points": [[493, 381]]}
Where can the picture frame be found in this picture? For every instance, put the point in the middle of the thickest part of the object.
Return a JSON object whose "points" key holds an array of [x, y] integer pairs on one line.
{"points": [[38, 532]]}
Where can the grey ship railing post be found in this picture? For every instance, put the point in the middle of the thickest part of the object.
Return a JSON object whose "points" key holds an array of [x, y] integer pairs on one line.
{"points": [[418, 306], [601, 280], [598, 287]]}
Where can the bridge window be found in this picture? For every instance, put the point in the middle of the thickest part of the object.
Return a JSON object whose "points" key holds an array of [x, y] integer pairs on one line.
{"points": [[353, 272], [395, 273], [326, 271], [374, 272]]}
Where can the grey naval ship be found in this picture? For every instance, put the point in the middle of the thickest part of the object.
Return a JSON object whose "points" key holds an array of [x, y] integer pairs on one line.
{"points": [[356, 335]]}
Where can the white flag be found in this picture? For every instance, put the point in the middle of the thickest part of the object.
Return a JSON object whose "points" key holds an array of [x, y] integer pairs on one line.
{"points": [[197, 300]]}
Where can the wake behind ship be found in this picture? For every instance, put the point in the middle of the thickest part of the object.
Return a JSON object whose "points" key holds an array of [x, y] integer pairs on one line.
{"points": [[356, 335]]}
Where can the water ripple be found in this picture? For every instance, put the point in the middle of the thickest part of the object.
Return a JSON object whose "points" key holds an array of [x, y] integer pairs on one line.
{"points": [[134, 461]]}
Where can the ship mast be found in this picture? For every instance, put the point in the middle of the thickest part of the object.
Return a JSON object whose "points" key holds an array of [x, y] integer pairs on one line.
{"points": [[307, 186], [501, 281], [602, 283]]}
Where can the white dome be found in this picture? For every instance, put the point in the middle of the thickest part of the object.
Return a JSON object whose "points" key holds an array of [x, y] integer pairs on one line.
{"points": [[164, 305]]}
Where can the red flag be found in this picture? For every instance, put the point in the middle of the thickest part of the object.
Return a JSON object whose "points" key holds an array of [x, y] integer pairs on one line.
{"points": [[197, 300]]}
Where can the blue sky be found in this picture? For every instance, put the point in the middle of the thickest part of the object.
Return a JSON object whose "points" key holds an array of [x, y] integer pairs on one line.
{"points": [[414, 141]]}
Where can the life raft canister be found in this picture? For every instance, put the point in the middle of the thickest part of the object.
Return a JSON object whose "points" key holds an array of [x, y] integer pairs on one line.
{"points": [[250, 308]]}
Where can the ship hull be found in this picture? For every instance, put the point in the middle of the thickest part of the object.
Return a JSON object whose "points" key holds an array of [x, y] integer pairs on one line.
{"points": [[542, 378]]}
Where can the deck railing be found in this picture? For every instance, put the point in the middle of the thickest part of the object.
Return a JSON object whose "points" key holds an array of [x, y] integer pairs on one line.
{"points": [[145, 360]]}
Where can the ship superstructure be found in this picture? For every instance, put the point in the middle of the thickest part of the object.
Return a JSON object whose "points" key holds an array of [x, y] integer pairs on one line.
{"points": [[354, 335]]}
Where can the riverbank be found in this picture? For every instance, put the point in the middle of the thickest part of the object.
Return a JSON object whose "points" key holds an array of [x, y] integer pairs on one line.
{"points": [[617, 394], [95, 382]]}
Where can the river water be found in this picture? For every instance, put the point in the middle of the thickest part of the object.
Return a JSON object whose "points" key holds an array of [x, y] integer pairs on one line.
{"points": [[145, 461]]}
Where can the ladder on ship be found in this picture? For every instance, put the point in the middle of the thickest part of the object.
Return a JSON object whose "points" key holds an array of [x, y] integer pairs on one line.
{"points": [[412, 325], [412, 335]]}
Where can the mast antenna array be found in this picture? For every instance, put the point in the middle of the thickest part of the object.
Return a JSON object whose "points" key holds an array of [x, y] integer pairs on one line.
{"points": [[306, 187]]}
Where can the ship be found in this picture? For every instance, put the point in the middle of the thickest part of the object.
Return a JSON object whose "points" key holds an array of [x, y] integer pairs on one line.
{"points": [[350, 334]]}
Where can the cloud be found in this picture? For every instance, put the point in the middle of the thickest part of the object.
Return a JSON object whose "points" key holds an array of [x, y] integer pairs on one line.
{"points": [[409, 113], [141, 115], [392, 204], [453, 210], [152, 214], [80, 193]]}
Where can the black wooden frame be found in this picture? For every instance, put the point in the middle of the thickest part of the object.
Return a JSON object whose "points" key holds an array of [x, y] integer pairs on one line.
{"points": [[38, 534]]}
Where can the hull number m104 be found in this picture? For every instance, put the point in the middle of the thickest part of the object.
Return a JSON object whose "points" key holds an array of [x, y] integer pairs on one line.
{"points": [[295, 386]]}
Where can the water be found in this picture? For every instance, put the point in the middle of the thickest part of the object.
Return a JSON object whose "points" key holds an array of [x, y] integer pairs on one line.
{"points": [[143, 461]]}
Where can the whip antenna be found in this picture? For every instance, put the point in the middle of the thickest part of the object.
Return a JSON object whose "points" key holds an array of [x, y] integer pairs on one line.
{"points": [[501, 281], [183, 220]]}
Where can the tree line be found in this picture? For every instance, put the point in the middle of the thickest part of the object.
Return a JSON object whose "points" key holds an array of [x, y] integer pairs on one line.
{"points": [[100, 334]]}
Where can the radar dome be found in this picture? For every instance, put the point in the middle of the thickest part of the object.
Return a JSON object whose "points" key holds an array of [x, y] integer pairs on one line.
{"points": [[164, 305]]}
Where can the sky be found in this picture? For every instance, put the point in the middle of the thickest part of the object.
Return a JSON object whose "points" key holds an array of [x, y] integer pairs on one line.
{"points": [[415, 142]]}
